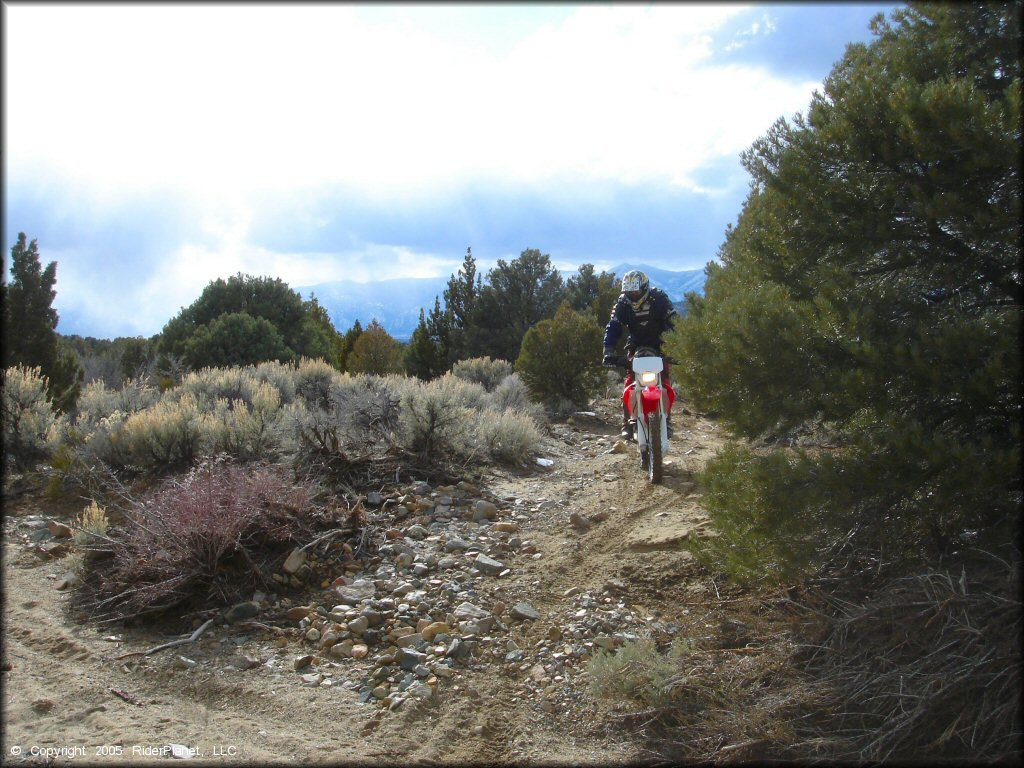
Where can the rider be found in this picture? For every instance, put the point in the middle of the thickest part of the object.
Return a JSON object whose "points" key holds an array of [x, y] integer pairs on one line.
{"points": [[646, 313]]}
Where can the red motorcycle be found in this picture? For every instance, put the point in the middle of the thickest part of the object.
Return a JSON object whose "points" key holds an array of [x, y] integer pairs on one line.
{"points": [[648, 401]]}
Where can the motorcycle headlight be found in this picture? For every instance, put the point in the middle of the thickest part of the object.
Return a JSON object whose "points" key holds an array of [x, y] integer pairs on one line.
{"points": [[648, 378]]}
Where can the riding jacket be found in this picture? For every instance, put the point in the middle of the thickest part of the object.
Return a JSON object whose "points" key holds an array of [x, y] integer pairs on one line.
{"points": [[645, 324]]}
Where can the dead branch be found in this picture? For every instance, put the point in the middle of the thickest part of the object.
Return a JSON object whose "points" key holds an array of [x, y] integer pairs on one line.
{"points": [[173, 644], [126, 697]]}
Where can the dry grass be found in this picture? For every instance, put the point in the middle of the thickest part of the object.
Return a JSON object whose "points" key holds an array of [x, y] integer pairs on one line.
{"points": [[924, 667], [927, 665]]}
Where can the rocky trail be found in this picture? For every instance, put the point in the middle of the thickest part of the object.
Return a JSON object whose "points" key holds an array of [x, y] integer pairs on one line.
{"points": [[464, 641]]}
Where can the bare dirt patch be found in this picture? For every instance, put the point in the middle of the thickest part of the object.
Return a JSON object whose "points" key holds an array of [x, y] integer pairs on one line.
{"points": [[605, 544]]}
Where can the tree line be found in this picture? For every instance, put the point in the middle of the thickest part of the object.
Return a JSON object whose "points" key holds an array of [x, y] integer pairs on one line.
{"points": [[246, 320]]}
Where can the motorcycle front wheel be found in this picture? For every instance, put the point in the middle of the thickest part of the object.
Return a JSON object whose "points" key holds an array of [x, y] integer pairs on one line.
{"points": [[654, 457]]}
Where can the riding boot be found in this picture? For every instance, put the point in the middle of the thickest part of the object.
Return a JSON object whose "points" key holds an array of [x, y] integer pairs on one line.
{"points": [[628, 424]]}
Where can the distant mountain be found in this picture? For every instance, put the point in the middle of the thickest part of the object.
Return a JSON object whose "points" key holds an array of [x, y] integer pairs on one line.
{"points": [[675, 284], [396, 304]]}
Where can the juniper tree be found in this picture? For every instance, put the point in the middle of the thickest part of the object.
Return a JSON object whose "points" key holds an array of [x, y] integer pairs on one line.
{"points": [[30, 336], [871, 287]]}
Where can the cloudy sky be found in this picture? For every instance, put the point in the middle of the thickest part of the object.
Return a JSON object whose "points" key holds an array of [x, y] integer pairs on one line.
{"points": [[152, 148]]}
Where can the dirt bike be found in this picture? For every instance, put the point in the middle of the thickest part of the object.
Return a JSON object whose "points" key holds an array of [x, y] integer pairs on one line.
{"points": [[648, 402]]}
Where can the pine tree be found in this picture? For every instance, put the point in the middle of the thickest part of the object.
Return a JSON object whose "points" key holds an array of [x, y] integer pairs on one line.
{"points": [[460, 300], [518, 294], [427, 355]]}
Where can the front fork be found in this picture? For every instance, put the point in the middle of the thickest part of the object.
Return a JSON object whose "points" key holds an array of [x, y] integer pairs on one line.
{"points": [[644, 401]]}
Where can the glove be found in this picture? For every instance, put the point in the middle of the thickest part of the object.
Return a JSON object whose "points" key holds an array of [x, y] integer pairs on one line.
{"points": [[609, 357]]}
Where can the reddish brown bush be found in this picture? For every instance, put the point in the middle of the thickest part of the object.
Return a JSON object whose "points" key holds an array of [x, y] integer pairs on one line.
{"points": [[208, 539]]}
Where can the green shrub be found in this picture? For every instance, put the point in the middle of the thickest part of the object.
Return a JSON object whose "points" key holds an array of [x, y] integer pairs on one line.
{"points": [[248, 430], [482, 370], [560, 360], [508, 436], [637, 672], [29, 421], [173, 433], [98, 401], [313, 381], [436, 418], [90, 523], [281, 376], [512, 395]]}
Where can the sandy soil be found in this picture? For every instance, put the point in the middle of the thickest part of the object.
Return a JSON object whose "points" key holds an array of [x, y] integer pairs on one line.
{"points": [[66, 700]]}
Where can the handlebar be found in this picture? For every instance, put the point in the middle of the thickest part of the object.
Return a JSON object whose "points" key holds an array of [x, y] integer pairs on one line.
{"points": [[621, 361]]}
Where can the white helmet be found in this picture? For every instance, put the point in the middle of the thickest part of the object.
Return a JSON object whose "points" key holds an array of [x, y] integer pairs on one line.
{"points": [[635, 287]]}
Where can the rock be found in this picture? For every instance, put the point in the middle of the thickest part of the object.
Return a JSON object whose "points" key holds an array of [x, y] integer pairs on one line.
{"points": [[524, 611], [374, 498], [299, 612], [359, 625], [618, 447], [295, 560], [409, 659], [615, 585], [484, 510], [487, 565], [469, 611], [59, 529], [243, 662], [46, 551], [313, 635], [301, 662], [359, 651], [499, 608], [409, 641], [455, 545], [312, 680], [580, 522], [358, 590], [431, 630], [381, 692], [417, 532], [342, 650], [71, 579], [242, 612]]}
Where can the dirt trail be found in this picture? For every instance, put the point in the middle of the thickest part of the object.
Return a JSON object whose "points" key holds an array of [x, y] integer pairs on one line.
{"points": [[65, 694]]}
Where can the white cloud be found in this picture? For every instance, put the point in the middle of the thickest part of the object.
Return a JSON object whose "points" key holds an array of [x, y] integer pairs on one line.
{"points": [[241, 110], [221, 98]]}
